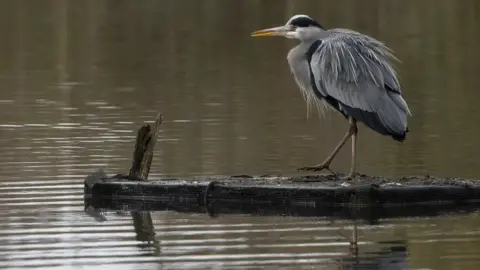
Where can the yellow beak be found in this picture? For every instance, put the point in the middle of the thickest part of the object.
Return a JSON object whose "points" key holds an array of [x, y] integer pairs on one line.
{"points": [[274, 31]]}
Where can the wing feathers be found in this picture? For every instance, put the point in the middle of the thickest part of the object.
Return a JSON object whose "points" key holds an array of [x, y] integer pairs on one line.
{"points": [[355, 70]]}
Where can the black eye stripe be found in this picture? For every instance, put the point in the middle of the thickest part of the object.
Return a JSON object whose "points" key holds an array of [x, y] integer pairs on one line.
{"points": [[304, 22]]}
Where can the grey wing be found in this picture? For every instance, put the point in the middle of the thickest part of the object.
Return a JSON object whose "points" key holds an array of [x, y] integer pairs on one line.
{"points": [[354, 70]]}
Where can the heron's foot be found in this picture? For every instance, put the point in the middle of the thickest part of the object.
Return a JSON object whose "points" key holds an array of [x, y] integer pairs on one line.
{"points": [[317, 168], [350, 176]]}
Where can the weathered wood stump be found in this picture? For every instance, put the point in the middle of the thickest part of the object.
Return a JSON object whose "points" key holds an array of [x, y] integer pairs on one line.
{"points": [[142, 159], [305, 195]]}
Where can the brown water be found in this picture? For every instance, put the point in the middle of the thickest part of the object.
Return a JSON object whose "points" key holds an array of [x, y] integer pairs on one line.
{"points": [[78, 77]]}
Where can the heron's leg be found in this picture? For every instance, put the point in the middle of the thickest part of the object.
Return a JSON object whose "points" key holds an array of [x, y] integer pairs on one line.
{"points": [[325, 165], [354, 130]]}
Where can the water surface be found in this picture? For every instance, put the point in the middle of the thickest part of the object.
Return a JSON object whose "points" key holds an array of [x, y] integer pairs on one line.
{"points": [[78, 77]]}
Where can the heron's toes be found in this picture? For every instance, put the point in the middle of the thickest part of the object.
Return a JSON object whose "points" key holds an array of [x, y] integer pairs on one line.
{"points": [[316, 168], [350, 176]]}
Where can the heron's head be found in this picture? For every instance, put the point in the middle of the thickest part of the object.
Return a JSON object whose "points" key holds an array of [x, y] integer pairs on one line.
{"points": [[300, 27]]}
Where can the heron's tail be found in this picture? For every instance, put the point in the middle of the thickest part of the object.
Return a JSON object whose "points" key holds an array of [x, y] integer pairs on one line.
{"points": [[390, 119], [400, 137], [394, 115]]}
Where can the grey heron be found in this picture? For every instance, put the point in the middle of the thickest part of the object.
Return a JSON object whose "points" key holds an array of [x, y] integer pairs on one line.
{"points": [[348, 72]]}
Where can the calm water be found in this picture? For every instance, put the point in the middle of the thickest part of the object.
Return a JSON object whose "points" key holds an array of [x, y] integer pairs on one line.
{"points": [[78, 77]]}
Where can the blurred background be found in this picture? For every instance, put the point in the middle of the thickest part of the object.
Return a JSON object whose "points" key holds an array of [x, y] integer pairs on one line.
{"points": [[77, 78]]}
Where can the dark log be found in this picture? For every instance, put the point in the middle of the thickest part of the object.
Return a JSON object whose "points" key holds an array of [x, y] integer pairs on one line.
{"points": [[367, 197]]}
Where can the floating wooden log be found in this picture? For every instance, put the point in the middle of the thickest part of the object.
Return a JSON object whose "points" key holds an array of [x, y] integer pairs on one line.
{"points": [[324, 195], [369, 197]]}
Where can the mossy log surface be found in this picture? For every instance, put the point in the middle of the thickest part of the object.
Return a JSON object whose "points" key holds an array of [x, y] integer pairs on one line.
{"points": [[306, 195]]}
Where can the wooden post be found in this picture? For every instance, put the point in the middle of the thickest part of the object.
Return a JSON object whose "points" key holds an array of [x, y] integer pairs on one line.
{"points": [[143, 154], [142, 159]]}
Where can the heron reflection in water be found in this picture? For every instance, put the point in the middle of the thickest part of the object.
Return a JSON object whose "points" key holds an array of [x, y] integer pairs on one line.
{"points": [[348, 72]]}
